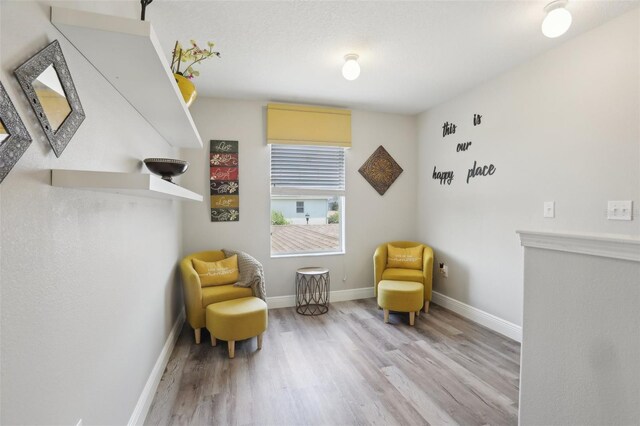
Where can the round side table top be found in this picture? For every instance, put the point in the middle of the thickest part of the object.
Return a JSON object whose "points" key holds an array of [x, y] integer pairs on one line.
{"points": [[313, 270]]}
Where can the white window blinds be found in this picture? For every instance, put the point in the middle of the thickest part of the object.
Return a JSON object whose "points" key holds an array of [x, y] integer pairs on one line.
{"points": [[298, 169]]}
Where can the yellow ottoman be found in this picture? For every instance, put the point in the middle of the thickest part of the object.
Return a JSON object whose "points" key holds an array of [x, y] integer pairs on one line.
{"points": [[400, 296], [237, 319]]}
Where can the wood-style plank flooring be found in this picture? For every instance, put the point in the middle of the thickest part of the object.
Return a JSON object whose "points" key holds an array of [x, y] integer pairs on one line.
{"points": [[344, 368]]}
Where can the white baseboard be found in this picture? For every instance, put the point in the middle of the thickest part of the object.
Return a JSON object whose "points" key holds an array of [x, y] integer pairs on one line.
{"points": [[141, 409], [281, 302], [352, 294], [334, 296], [490, 321]]}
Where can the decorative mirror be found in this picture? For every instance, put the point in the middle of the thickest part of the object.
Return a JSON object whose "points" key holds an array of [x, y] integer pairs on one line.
{"points": [[14, 138], [47, 82]]}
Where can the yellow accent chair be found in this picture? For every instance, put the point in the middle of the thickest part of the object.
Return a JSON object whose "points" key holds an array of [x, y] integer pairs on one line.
{"points": [[423, 275], [197, 297]]}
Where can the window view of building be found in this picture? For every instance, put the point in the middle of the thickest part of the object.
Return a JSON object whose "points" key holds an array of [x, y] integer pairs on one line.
{"points": [[307, 198]]}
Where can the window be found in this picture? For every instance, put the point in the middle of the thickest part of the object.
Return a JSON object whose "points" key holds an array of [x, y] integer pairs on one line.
{"points": [[307, 199]]}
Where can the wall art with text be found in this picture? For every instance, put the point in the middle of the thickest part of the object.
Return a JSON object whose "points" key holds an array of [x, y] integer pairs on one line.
{"points": [[223, 181], [445, 177]]}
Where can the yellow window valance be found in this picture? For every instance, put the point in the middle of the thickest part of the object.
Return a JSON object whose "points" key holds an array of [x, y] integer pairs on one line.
{"points": [[307, 125]]}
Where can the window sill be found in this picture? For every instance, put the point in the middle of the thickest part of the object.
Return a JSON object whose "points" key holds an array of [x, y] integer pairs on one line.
{"points": [[330, 253]]}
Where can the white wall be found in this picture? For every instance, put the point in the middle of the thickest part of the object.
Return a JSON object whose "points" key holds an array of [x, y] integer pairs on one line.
{"points": [[370, 218], [88, 291], [581, 340], [563, 127]]}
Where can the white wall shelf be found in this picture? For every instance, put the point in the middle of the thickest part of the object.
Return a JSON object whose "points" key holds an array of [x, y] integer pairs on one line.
{"points": [[137, 184], [128, 54]]}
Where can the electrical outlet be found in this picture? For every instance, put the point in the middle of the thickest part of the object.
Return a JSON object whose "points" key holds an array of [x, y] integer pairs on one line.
{"points": [[444, 269], [619, 210]]}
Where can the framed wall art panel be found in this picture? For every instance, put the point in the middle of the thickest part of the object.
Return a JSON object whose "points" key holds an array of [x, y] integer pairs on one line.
{"points": [[223, 181]]}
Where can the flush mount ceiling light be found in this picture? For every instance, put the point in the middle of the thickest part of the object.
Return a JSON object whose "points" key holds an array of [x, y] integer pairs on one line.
{"points": [[351, 67], [558, 19]]}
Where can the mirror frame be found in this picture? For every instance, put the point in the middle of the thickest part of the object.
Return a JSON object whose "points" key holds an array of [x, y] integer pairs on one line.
{"points": [[29, 71], [19, 139]]}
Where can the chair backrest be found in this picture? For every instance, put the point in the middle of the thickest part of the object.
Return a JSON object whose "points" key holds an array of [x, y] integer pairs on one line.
{"points": [[207, 256], [404, 244]]}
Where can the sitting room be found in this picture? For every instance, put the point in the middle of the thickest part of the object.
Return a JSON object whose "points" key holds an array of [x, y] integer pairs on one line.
{"points": [[319, 213]]}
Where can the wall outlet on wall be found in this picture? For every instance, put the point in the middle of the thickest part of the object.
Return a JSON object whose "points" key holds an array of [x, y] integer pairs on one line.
{"points": [[444, 269], [619, 210]]}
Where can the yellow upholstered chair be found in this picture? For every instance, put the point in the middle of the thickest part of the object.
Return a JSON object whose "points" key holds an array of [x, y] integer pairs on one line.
{"points": [[197, 297], [424, 275]]}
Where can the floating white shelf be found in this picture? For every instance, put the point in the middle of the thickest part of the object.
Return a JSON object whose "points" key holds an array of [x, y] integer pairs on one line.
{"points": [[137, 184], [128, 54]]}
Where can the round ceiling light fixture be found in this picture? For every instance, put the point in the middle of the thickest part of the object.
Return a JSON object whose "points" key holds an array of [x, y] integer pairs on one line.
{"points": [[558, 19], [351, 67]]}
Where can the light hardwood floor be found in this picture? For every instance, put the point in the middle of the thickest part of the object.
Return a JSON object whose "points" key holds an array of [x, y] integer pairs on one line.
{"points": [[344, 368]]}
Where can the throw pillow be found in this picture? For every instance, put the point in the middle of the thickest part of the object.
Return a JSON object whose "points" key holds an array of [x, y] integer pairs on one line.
{"points": [[405, 258], [222, 272]]}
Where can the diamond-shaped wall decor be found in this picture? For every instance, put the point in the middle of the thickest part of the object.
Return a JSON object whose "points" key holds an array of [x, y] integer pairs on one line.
{"points": [[14, 137], [380, 170]]}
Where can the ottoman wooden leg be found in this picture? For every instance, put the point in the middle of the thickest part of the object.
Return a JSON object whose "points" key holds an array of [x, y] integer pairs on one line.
{"points": [[232, 348], [418, 313], [196, 332], [412, 318], [386, 316], [426, 306], [214, 342], [259, 341]]}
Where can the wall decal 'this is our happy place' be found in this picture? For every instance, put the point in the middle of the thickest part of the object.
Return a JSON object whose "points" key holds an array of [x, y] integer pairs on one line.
{"points": [[446, 176]]}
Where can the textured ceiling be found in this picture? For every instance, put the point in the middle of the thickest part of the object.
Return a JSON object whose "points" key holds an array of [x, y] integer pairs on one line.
{"points": [[413, 54]]}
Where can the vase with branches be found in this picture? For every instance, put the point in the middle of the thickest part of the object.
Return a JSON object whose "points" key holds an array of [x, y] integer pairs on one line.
{"points": [[193, 55], [182, 63]]}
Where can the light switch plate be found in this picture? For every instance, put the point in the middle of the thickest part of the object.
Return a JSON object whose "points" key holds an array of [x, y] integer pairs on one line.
{"points": [[549, 209], [619, 210]]}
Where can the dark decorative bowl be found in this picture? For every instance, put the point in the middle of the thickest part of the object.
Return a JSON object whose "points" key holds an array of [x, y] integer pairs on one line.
{"points": [[166, 167]]}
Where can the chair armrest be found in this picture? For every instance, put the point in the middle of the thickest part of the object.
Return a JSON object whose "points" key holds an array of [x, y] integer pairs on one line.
{"points": [[192, 293], [427, 271], [379, 265]]}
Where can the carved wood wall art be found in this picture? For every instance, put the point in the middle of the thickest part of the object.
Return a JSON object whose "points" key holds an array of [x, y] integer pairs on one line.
{"points": [[380, 170]]}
